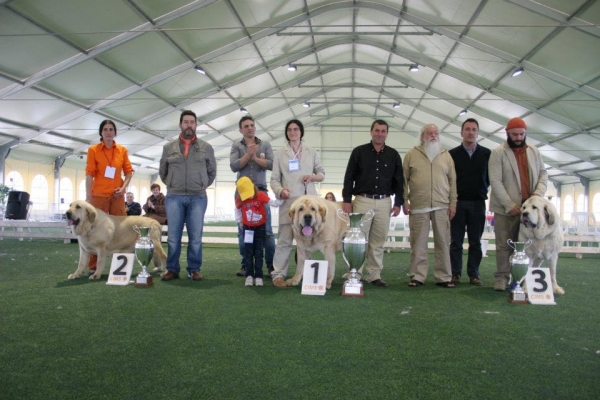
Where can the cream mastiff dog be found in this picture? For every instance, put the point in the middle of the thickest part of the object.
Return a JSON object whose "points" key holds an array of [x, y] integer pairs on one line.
{"points": [[103, 234], [316, 227], [540, 223]]}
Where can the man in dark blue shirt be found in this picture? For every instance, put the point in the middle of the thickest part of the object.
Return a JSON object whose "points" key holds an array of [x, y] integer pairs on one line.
{"points": [[471, 164], [373, 175]]}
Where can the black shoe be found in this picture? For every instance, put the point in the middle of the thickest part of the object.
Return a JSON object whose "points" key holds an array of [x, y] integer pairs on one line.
{"points": [[241, 272], [455, 279], [380, 283]]}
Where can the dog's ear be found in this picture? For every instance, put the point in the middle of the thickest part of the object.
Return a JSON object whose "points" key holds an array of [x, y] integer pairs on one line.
{"points": [[91, 214], [292, 212], [549, 216], [323, 212]]}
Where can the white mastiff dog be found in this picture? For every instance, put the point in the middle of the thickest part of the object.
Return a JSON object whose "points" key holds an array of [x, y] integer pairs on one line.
{"points": [[540, 223]]}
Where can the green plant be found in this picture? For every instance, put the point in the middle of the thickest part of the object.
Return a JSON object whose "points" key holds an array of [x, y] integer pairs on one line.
{"points": [[4, 192]]}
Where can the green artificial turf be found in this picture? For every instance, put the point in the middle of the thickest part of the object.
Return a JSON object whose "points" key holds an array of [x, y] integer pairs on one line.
{"points": [[217, 339]]}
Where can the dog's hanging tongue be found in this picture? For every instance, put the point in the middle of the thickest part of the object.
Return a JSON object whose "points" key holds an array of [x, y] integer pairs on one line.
{"points": [[69, 222], [307, 230]]}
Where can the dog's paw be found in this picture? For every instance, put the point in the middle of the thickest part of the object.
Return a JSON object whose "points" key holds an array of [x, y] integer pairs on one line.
{"points": [[94, 277], [292, 282], [558, 290], [328, 286], [73, 276]]}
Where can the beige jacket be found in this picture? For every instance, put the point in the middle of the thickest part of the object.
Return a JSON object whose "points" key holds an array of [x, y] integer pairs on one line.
{"points": [[282, 178], [429, 184], [506, 182]]}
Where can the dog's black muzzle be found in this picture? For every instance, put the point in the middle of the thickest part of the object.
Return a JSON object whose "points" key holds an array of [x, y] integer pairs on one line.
{"points": [[307, 220]]}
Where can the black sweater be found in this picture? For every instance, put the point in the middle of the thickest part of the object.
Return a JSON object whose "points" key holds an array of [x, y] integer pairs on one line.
{"points": [[472, 180]]}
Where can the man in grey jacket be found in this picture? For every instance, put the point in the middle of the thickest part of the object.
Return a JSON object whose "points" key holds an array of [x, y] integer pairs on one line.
{"points": [[188, 168], [516, 172]]}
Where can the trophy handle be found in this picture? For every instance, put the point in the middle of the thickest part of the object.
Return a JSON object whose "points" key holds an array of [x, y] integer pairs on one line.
{"points": [[341, 212], [135, 228], [510, 242], [527, 243], [368, 216]]}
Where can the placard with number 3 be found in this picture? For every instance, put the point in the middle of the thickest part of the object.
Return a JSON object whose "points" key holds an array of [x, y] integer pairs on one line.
{"points": [[539, 286]]}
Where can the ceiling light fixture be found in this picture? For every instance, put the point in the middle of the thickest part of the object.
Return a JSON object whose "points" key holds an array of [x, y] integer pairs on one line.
{"points": [[463, 112], [243, 110], [517, 72], [292, 67], [306, 104], [413, 68], [396, 105], [199, 69]]}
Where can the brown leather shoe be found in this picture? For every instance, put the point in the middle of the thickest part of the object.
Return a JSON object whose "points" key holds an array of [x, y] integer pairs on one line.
{"points": [[241, 272], [279, 282], [456, 279], [169, 276], [380, 283], [476, 281], [195, 276]]}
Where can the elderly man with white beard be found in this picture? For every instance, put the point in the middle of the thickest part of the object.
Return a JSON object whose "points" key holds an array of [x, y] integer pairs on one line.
{"points": [[429, 198]]}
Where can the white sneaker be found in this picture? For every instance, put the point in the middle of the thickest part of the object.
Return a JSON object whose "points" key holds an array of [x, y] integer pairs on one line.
{"points": [[259, 282], [249, 281]]}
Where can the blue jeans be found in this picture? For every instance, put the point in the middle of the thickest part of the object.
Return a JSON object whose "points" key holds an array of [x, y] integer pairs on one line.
{"points": [[188, 210], [469, 214], [269, 242], [253, 252]]}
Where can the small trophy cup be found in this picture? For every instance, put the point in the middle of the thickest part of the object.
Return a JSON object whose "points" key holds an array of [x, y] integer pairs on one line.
{"points": [[354, 250], [519, 264], [144, 249]]}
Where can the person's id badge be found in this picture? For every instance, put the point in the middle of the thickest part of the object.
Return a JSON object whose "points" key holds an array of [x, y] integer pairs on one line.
{"points": [[294, 165], [248, 236], [110, 172]]}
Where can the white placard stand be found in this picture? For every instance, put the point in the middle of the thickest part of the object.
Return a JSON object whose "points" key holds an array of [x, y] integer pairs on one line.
{"points": [[539, 286], [314, 278], [121, 268]]}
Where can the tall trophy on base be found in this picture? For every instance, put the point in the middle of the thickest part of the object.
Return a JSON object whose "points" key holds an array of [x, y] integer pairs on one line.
{"points": [[519, 264], [144, 249], [354, 250]]}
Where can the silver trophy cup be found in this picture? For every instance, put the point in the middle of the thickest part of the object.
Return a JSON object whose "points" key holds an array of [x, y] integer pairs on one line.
{"points": [[354, 250], [519, 264], [144, 250]]}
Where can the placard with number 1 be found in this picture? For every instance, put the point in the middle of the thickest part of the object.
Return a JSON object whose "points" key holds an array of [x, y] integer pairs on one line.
{"points": [[314, 278]]}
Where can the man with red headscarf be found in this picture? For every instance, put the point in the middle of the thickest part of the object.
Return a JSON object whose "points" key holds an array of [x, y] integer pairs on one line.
{"points": [[516, 172]]}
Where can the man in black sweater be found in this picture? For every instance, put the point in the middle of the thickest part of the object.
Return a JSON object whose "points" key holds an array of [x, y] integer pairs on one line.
{"points": [[471, 164]]}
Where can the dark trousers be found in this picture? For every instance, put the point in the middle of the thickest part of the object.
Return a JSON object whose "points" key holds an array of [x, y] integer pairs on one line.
{"points": [[469, 215], [269, 241], [253, 252]]}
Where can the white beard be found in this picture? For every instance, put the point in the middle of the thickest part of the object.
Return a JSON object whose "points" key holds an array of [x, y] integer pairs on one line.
{"points": [[432, 149]]}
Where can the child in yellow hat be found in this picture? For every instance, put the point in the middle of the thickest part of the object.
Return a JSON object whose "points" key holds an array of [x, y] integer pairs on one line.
{"points": [[251, 203]]}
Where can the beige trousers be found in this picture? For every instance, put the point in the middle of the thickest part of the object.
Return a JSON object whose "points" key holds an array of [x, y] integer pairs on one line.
{"points": [[419, 237]]}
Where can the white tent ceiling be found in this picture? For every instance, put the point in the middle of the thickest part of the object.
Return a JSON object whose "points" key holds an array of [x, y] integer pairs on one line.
{"points": [[65, 65]]}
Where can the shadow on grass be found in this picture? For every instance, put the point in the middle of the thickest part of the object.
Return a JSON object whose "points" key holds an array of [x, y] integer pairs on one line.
{"points": [[76, 282]]}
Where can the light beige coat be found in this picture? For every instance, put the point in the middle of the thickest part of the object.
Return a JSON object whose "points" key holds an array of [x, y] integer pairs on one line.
{"points": [[506, 181]]}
